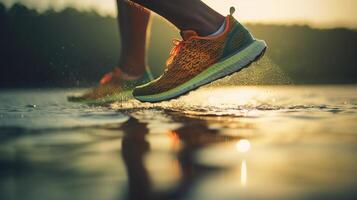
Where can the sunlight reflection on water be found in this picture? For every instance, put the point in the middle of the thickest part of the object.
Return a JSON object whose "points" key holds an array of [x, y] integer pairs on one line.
{"points": [[243, 146], [216, 143]]}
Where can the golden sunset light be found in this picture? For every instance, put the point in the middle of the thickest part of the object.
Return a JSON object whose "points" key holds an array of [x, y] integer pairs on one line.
{"points": [[320, 13], [178, 99]]}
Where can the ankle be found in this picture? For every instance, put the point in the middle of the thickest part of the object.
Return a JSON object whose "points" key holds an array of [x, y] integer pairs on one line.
{"points": [[206, 25], [134, 69], [210, 27]]}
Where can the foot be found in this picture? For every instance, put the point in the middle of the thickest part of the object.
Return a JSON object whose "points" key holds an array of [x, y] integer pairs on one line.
{"points": [[115, 82], [197, 61]]}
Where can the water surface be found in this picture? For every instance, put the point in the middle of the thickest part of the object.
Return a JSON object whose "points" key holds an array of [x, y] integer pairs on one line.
{"points": [[278, 142]]}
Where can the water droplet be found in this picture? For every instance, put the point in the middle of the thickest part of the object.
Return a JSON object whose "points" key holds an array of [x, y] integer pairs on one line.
{"points": [[31, 106]]}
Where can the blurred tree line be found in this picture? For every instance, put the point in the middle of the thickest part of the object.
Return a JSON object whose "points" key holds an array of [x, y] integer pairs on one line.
{"points": [[71, 48]]}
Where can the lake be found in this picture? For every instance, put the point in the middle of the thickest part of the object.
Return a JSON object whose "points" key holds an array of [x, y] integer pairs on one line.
{"points": [[239, 142]]}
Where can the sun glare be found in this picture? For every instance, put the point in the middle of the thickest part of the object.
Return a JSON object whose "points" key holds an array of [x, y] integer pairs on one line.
{"points": [[243, 146]]}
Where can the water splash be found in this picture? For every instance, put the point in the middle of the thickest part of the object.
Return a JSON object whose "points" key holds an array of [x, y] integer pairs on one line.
{"points": [[244, 101], [207, 101], [263, 72]]}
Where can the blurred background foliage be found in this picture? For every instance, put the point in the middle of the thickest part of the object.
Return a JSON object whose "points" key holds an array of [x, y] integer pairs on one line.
{"points": [[72, 48]]}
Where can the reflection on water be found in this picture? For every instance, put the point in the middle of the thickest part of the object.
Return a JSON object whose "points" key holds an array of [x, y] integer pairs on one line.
{"points": [[223, 143], [243, 146], [243, 173], [185, 140]]}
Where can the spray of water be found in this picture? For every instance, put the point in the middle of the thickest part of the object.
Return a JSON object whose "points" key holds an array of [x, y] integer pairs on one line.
{"points": [[263, 72], [201, 101]]}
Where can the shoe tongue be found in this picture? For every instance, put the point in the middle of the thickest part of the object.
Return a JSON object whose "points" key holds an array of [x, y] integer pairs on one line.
{"points": [[188, 34]]}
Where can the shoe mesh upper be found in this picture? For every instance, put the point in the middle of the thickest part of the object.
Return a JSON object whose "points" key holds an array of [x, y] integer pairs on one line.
{"points": [[195, 55]]}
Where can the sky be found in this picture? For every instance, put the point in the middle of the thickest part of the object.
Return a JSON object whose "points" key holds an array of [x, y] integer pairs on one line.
{"points": [[318, 13]]}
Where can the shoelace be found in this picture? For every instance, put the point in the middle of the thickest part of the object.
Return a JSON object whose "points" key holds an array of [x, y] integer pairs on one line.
{"points": [[116, 73], [178, 45]]}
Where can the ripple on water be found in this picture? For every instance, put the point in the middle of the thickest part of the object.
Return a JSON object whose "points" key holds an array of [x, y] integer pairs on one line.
{"points": [[301, 142], [247, 110]]}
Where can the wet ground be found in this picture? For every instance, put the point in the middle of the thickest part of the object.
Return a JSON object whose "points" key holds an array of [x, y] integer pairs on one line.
{"points": [[278, 142]]}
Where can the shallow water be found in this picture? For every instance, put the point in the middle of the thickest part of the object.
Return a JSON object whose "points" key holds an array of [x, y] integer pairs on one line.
{"points": [[279, 142]]}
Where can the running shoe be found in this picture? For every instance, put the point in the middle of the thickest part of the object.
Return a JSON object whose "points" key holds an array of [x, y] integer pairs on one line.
{"points": [[196, 61], [113, 83]]}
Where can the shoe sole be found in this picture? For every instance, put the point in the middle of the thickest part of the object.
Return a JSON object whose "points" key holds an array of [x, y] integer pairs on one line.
{"points": [[227, 66], [119, 96]]}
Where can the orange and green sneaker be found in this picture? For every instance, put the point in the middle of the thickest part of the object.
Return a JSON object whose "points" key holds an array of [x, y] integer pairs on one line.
{"points": [[111, 85], [196, 61]]}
